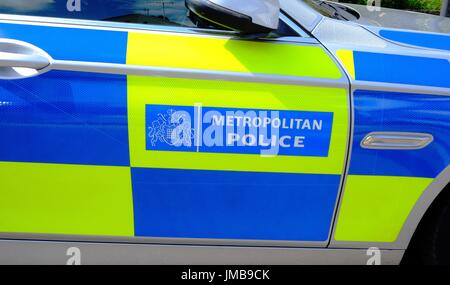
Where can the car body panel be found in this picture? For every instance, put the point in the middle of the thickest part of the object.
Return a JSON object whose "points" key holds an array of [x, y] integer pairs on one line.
{"points": [[32, 252], [391, 179], [362, 219], [406, 112], [106, 122], [68, 199], [101, 138], [384, 86]]}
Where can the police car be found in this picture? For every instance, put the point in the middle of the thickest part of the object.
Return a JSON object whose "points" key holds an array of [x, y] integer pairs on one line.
{"points": [[222, 131]]}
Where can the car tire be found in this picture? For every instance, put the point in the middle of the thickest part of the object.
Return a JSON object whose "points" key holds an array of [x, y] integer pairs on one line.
{"points": [[434, 244]]}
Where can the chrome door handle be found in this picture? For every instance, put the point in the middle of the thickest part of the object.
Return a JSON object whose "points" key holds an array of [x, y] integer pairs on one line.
{"points": [[396, 140], [34, 61], [20, 60]]}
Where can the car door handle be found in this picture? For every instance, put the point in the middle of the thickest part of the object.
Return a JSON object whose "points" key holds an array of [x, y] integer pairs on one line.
{"points": [[19, 59], [396, 140], [34, 61]]}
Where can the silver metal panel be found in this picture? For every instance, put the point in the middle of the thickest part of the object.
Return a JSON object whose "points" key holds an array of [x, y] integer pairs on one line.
{"points": [[331, 31], [45, 252], [401, 88], [112, 68], [163, 240]]}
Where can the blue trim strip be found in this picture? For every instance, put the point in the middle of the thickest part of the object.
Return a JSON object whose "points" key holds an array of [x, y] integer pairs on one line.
{"points": [[233, 205], [402, 69], [418, 39], [401, 112], [70, 43], [65, 117]]}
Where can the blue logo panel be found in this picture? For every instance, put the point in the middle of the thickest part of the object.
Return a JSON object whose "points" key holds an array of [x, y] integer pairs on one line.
{"points": [[233, 205], [241, 131]]}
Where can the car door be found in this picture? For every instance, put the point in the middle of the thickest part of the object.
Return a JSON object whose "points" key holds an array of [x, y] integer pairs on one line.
{"points": [[165, 133], [400, 91]]}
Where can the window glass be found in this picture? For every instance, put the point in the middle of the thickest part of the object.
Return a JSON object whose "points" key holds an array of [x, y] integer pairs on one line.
{"points": [[152, 12]]}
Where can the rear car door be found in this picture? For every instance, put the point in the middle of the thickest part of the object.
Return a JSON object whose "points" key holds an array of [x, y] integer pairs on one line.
{"points": [[166, 133]]}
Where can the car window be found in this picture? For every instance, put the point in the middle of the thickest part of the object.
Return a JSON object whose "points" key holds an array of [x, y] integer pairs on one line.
{"points": [[152, 12]]}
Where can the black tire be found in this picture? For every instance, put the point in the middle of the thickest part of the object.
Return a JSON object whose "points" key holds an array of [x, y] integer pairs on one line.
{"points": [[434, 239]]}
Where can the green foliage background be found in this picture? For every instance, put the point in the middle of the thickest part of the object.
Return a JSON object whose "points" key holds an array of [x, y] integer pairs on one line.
{"points": [[429, 6]]}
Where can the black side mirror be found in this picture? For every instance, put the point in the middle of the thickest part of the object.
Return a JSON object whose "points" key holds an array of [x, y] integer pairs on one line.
{"points": [[246, 17]]}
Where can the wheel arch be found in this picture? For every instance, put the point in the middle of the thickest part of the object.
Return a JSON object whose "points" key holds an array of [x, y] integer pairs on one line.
{"points": [[422, 206]]}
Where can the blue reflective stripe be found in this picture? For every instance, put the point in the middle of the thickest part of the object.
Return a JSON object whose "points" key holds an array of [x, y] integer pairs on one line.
{"points": [[401, 112], [71, 43], [418, 39], [65, 117], [402, 69], [233, 205]]}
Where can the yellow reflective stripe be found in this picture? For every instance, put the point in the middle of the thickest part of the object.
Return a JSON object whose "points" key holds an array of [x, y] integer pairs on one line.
{"points": [[220, 54], [346, 58], [184, 92], [65, 199], [374, 208]]}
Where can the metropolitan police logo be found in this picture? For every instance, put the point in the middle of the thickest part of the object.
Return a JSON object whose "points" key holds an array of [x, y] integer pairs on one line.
{"points": [[172, 128], [240, 131]]}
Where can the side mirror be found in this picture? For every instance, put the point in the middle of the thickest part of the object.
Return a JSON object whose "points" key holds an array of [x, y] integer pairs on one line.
{"points": [[244, 16]]}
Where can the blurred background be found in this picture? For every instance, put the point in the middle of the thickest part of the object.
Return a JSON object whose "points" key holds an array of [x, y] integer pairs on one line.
{"points": [[424, 6]]}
